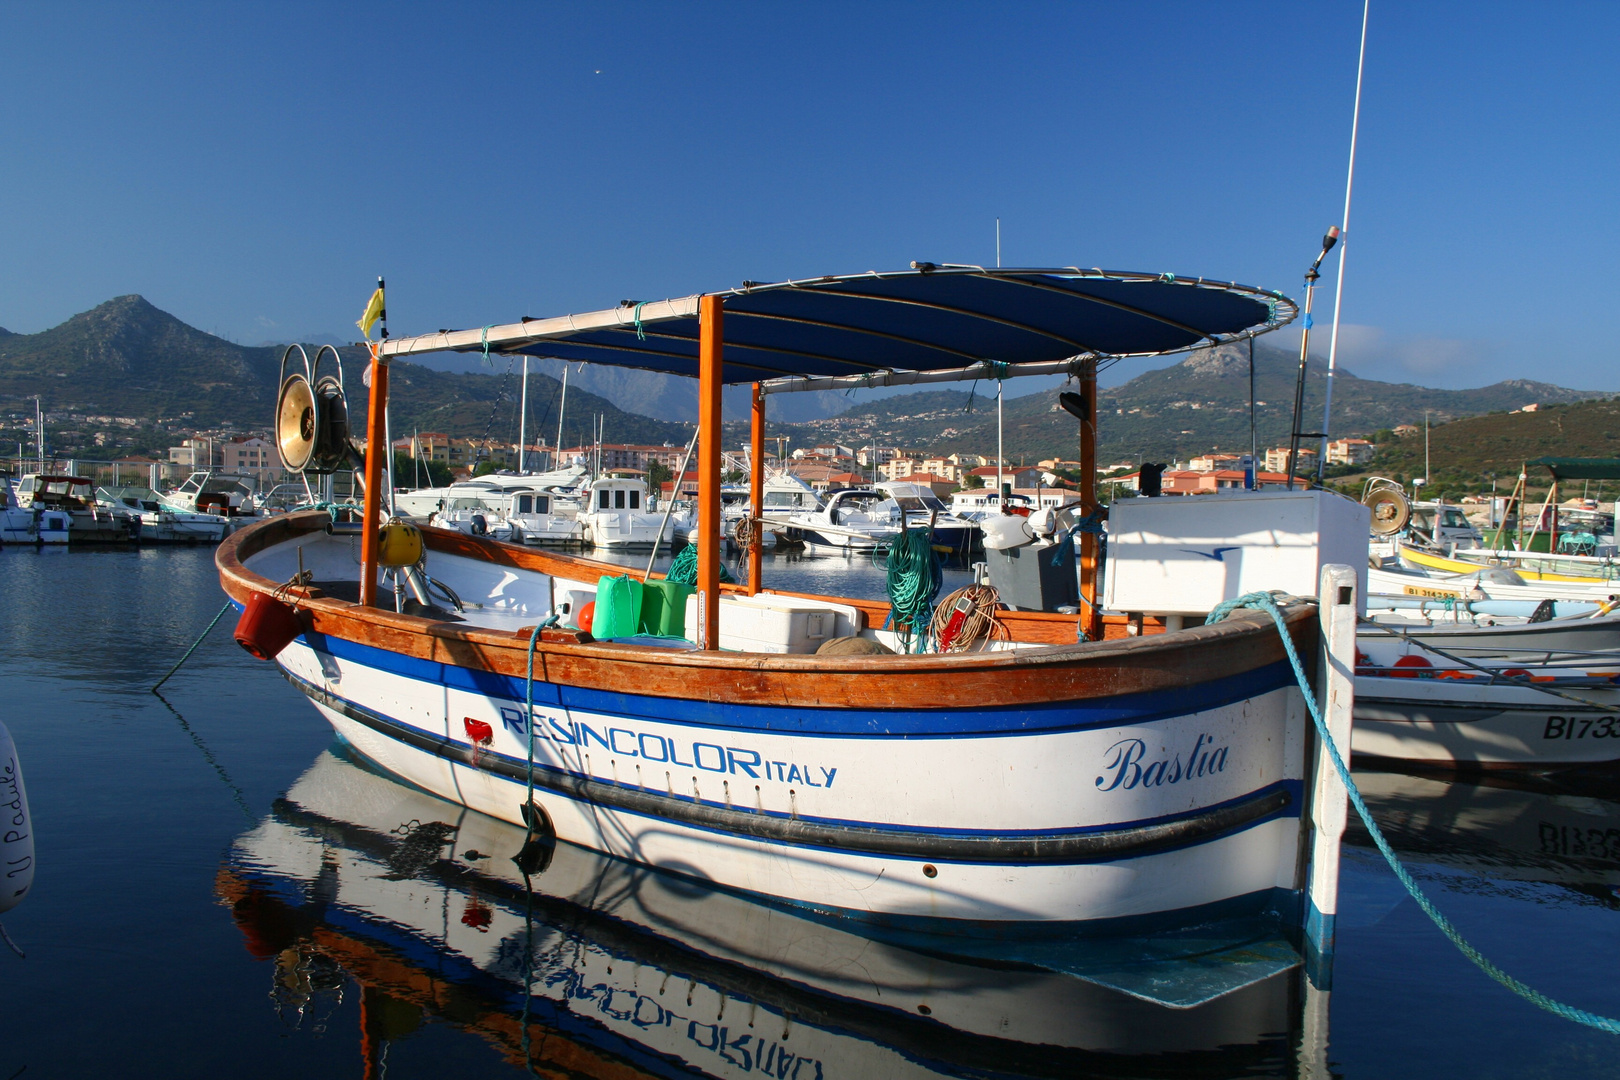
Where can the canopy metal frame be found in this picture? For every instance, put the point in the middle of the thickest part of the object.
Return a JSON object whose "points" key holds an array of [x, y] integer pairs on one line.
{"points": [[861, 330]]}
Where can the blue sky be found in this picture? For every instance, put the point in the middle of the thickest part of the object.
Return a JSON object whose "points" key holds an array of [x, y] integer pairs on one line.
{"points": [[252, 167]]}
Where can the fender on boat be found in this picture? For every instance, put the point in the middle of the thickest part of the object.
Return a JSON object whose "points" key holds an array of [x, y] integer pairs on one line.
{"points": [[267, 626], [16, 828]]}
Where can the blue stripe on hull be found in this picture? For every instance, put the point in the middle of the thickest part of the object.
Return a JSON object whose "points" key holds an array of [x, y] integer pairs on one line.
{"points": [[689, 812], [950, 720]]}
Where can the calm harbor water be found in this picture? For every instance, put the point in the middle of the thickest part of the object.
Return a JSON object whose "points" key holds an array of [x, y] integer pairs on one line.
{"points": [[221, 889]]}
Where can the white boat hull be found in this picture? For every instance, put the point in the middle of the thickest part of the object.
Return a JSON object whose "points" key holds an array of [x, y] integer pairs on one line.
{"points": [[903, 791], [1465, 723]]}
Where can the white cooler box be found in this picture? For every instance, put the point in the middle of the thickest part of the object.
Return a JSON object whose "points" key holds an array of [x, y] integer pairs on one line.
{"points": [[1183, 554], [768, 623]]}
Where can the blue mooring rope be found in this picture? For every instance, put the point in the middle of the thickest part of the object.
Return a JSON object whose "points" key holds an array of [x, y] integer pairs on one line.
{"points": [[194, 644], [1265, 602]]}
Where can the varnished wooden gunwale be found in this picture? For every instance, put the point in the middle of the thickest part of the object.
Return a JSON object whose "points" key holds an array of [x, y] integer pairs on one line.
{"points": [[1067, 672]]}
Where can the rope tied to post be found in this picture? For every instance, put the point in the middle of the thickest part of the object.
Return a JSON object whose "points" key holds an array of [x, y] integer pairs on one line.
{"points": [[1267, 603], [641, 335]]}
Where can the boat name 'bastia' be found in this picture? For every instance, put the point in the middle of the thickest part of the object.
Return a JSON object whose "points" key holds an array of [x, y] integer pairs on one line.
{"points": [[1125, 770]]}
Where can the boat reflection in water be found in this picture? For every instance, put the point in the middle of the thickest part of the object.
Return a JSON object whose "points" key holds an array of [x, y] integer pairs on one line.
{"points": [[631, 970], [1500, 830]]}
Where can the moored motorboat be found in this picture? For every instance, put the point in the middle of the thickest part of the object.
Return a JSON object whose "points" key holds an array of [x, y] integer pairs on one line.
{"points": [[74, 498], [1078, 771], [617, 514], [849, 521], [161, 524]]}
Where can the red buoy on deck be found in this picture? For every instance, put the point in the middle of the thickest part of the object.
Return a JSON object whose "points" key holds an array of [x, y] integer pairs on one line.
{"points": [[1410, 667], [267, 626]]}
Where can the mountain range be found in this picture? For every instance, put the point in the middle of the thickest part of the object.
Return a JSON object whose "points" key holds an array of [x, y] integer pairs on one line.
{"points": [[1198, 405], [128, 358]]}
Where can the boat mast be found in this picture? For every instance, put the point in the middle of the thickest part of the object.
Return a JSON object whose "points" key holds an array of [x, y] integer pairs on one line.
{"points": [[562, 405], [523, 421], [1311, 277], [376, 423], [1338, 285]]}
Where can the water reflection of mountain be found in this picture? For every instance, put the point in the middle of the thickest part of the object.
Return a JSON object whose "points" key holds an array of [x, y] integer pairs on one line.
{"points": [[355, 876], [1501, 830]]}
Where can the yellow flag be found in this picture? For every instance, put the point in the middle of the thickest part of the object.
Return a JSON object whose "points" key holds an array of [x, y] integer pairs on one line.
{"points": [[374, 310]]}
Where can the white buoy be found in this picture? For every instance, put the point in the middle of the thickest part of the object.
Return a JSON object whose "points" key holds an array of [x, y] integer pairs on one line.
{"points": [[16, 828]]}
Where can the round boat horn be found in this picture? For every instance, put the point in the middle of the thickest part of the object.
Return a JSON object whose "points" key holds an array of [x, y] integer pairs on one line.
{"points": [[1390, 510], [312, 415], [297, 422]]}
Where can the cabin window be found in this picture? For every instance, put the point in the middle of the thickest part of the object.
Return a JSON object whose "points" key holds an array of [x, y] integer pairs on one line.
{"points": [[603, 502], [542, 504], [1455, 520], [635, 500], [525, 504], [618, 499]]}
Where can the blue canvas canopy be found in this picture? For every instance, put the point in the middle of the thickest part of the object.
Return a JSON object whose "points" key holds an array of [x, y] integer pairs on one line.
{"points": [[928, 323]]}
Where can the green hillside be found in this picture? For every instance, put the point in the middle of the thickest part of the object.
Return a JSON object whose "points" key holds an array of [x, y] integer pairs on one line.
{"points": [[1465, 455]]}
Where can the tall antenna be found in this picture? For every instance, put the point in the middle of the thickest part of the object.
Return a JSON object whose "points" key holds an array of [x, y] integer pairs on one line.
{"points": [[998, 243], [1338, 286]]}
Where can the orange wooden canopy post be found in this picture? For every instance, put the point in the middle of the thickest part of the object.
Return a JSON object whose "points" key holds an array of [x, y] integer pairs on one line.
{"points": [[710, 343], [756, 491], [376, 453], [1090, 617]]}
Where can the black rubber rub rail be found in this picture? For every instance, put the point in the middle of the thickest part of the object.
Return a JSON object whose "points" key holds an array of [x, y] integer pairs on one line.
{"points": [[1100, 846]]}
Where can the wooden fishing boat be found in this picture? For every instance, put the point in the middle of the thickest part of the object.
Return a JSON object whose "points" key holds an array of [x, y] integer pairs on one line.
{"points": [[1041, 784]]}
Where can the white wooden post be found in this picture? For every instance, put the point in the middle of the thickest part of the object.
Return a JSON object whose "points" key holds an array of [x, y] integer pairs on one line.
{"points": [[1328, 810], [1329, 800]]}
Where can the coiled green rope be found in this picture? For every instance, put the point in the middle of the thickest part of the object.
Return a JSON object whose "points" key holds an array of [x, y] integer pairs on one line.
{"points": [[914, 581], [683, 569], [1265, 602]]}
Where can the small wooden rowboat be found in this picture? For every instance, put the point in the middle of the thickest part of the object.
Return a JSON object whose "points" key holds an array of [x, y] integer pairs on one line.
{"points": [[1045, 782]]}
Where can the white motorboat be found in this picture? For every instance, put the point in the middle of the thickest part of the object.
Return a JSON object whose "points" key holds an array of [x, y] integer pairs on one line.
{"points": [[230, 495], [852, 520], [516, 515], [36, 525], [617, 515], [974, 503], [160, 524], [956, 537], [74, 496]]}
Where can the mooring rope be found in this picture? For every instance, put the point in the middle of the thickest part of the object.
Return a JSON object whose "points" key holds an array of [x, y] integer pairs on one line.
{"points": [[194, 644], [1265, 602]]}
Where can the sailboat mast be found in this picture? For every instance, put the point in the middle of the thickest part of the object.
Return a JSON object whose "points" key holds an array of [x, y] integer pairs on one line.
{"points": [[1338, 285], [523, 422], [562, 406]]}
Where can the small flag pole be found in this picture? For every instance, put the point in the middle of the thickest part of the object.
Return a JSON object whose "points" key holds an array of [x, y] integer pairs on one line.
{"points": [[376, 428]]}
